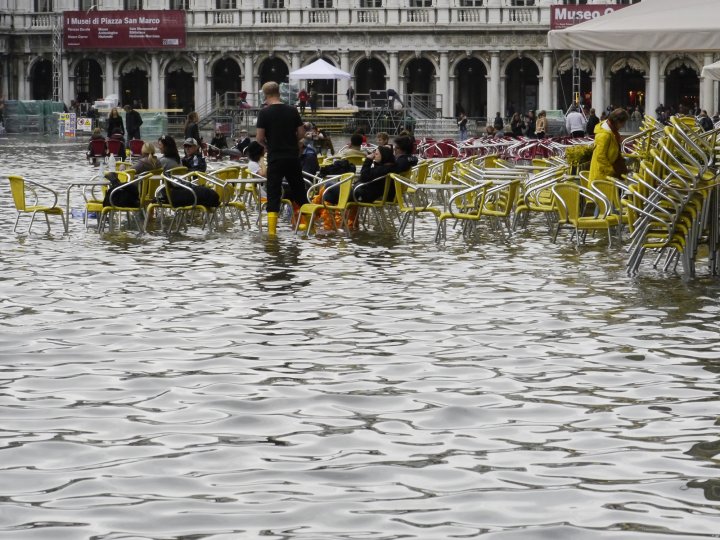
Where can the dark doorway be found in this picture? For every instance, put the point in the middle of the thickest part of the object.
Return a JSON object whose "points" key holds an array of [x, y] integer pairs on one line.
{"points": [[471, 88], [226, 76], [627, 89], [369, 75], [88, 81], [134, 88], [682, 87], [273, 69], [180, 90], [41, 80], [521, 87]]}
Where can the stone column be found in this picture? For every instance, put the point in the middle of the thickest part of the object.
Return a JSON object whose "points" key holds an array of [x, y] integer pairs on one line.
{"points": [[5, 83], [343, 84], [155, 90], [65, 94], [22, 80], [503, 96], [707, 87], [249, 80], [598, 97], [444, 84], [109, 76], [393, 75], [294, 60], [201, 95], [652, 97], [546, 84], [493, 90]]}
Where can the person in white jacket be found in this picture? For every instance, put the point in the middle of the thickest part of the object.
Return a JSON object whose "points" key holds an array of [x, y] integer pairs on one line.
{"points": [[575, 122]]}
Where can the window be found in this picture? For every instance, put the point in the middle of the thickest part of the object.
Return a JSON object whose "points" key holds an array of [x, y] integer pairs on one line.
{"points": [[133, 4], [574, 2], [322, 4], [420, 3], [43, 6], [523, 3], [180, 4], [226, 4], [371, 3], [274, 4], [86, 5], [471, 3]]}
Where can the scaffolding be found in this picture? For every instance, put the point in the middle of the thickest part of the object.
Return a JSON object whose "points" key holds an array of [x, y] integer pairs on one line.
{"points": [[57, 58], [576, 81]]}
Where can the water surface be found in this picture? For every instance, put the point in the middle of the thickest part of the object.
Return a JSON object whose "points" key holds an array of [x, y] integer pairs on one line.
{"points": [[223, 385]]}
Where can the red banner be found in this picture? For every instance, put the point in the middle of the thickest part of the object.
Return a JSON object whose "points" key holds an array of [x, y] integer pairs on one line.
{"points": [[566, 16], [149, 29]]}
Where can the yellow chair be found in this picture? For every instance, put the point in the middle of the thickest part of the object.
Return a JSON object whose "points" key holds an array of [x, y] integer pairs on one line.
{"points": [[463, 206], [21, 188], [569, 199], [377, 206], [499, 201], [108, 213], [310, 210], [412, 201], [181, 213]]}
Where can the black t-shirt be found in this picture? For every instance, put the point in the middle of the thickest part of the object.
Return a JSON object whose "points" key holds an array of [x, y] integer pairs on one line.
{"points": [[280, 123]]}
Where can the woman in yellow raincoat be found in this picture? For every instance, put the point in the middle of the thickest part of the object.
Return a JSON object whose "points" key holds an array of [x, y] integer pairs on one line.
{"points": [[607, 159]]}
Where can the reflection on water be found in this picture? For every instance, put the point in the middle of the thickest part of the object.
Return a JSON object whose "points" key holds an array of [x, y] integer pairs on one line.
{"points": [[226, 386]]}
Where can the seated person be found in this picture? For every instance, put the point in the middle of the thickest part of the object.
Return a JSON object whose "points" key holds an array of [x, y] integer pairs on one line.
{"points": [[383, 139], [148, 161], [380, 165], [255, 153], [119, 144], [193, 160], [243, 141], [309, 158], [219, 141], [376, 166], [96, 136], [354, 149], [170, 155]]}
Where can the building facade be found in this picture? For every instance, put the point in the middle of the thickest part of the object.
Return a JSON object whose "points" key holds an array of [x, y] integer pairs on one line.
{"points": [[484, 56]]}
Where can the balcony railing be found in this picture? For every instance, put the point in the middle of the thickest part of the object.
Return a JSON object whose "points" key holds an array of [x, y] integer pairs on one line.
{"points": [[283, 19]]}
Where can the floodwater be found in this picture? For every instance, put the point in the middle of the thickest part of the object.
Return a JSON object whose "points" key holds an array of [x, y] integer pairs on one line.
{"points": [[218, 386]]}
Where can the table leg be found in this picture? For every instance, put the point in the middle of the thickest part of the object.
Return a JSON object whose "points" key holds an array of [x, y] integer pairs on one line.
{"points": [[67, 208]]}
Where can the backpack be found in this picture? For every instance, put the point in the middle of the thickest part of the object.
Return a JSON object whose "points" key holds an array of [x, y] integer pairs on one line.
{"points": [[341, 166], [182, 197], [128, 197]]}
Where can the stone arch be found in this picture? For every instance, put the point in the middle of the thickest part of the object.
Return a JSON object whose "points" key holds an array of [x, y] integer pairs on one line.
{"points": [[470, 74], [134, 81], [179, 74]]}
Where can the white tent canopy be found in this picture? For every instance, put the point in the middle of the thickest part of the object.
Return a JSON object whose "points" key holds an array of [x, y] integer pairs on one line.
{"points": [[319, 69], [712, 71], [651, 25]]}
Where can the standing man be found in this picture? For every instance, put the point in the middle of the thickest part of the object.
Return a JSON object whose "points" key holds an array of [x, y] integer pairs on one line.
{"points": [[350, 95], [575, 122], [280, 129], [133, 121]]}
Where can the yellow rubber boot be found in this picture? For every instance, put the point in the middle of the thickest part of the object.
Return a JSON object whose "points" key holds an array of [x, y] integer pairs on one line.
{"points": [[272, 223]]}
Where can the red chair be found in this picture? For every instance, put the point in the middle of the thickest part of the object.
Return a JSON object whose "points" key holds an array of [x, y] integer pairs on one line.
{"points": [[116, 147], [98, 149], [136, 147]]}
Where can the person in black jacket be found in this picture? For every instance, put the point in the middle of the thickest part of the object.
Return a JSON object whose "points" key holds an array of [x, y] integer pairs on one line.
{"points": [[592, 121], [133, 121], [368, 187], [115, 123]]}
